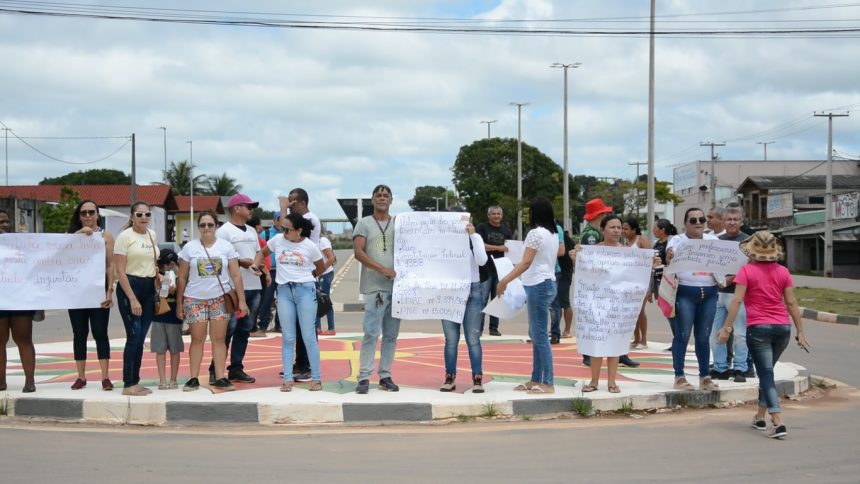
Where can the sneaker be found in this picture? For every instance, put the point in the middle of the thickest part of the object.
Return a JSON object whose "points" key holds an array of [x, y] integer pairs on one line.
{"points": [[276, 330], [107, 385], [495, 332], [79, 383], [327, 332], [388, 385], [708, 385], [212, 377], [240, 376], [363, 387], [739, 377], [750, 373], [626, 361], [477, 384], [721, 375], [586, 360], [778, 432], [758, 423], [449, 385], [191, 385], [554, 340], [303, 376], [224, 385]]}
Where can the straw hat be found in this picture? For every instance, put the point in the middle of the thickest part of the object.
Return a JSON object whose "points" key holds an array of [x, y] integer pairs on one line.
{"points": [[763, 246]]}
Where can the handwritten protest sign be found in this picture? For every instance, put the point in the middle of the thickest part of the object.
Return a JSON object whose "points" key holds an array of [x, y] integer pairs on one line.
{"points": [[51, 271], [431, 259], [708, 255], [511, 303], [611, 283]]}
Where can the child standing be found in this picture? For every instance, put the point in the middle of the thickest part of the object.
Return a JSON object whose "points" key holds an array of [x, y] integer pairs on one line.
{"points": [[167, 328]]}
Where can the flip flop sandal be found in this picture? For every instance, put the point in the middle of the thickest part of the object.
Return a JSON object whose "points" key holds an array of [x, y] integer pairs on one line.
{"points": [[162, 386], [287, 387], [565, 335], [589, 388], [613, 389], [173, 386], [315, 386], [524, 387]]}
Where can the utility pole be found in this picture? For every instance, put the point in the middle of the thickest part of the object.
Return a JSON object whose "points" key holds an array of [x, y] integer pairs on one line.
{"points": [[828, 195], [191, 176], [165, 149], [519, 168], [7, 155], [488, 123], [133, 172], [636, 182], [437, 202], [713, 175], [651, 180], [765, 143], [565, 182]]}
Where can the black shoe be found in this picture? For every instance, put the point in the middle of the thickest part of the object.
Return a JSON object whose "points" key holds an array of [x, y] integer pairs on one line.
{"points": [[626, 361], [212, 377], [721, 375], [303, 376], [363, 387], [224, 384], [29, 388], [586, 360], [388, 385], [758, 424], [495, 332], [191, 385], [778, 432], [240, 376], [448, 386], [750, 373], [739, 377], [554, 340], [477, 384]]}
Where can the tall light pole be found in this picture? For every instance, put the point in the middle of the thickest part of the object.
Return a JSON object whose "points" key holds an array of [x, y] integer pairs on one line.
{"points": [[651, 189], [765, 143], [437, 202], [191, 176], [488, 123], [7, 155], [713, 175], [519, 168], [165, 148], [565, 184], [828, 196]]}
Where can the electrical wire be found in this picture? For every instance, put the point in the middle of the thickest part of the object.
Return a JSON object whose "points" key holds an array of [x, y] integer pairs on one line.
{"points": [[46, 155]]}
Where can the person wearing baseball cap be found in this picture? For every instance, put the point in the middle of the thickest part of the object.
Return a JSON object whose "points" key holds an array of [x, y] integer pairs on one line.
{"points": [[241, 199]]}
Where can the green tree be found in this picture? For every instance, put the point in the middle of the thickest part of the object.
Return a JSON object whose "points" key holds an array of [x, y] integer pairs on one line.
{"points": [[55, 218], [179, 175], [485, 174], [425, 198], [101, 176], [221, 185]]}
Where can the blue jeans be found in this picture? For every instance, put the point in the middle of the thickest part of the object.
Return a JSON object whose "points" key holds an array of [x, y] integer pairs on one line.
{"points": [[488, 292], [266, 301], [694, 313], [378, 320], [767, 342], [238, 330], [298, 300], [538, 299], [325, 286], [136, 327], [739, 333], [555, 311], [471, 331]]}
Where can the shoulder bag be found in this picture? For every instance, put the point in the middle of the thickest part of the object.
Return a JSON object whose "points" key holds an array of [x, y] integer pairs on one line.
{"points": [[231, 298]]}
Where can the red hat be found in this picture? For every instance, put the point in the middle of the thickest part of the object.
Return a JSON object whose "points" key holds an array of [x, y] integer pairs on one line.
{"points": [[240, 199], [594, 208]]}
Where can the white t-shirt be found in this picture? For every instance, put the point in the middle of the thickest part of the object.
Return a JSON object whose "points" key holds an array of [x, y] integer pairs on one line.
{"points": [[247, 243], [317, 230], [323, 245], [295, 260], [479, 256], [543, 265], [696, 279], [203, 273]]}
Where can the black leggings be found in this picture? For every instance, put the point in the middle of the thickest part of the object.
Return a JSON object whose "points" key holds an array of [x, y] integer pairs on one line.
{"points": [[82, 319]]}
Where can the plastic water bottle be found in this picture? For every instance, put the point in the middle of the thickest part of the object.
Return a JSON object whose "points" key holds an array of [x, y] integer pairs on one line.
{"points": [[165, 288]]}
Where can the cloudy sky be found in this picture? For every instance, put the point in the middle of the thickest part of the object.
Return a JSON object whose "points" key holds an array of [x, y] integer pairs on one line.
{"points": [[338, 112]]}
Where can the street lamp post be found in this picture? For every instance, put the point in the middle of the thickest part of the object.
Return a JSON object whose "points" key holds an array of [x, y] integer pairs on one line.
{"points": [[437, 202], [164, 129], [488, 123], [765, 143], [565, 182], [7, 155], [519, 168], [191, 176]]}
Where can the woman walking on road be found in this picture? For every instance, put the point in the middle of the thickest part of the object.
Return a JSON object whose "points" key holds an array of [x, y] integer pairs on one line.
{"points": [[85, 220], [767, 291]]}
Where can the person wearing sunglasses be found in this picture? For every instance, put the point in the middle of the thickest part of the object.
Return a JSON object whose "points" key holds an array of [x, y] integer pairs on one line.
{"points": [[85, 220], [134, 256], [695, 306], [206, 268]]}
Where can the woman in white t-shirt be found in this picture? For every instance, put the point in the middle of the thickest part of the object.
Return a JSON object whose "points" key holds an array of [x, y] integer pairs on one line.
{"points": [[299, 263], [695, 305], [537, 268], [325, 285], [206, 268]]}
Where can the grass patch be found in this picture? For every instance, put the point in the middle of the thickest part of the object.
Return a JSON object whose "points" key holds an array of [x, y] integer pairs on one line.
{"points": [[627, 407], [821, 383], [465, 418], [490, 409], [526, 418], [582, 406], [829, 300], [4, 406]]}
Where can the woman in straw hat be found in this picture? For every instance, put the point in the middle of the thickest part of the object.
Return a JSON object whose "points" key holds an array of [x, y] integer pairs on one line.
{"points": [[766, 289]]}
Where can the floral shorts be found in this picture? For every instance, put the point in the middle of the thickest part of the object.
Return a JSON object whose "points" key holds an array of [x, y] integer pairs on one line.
{"points": [[204, 309]]}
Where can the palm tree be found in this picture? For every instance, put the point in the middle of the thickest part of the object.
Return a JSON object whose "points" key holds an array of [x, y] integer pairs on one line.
{"points": [[178, 176], [222, 185]]}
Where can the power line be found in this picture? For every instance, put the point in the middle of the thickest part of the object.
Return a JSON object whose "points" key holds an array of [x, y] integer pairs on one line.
{"points": [[46, 155]]}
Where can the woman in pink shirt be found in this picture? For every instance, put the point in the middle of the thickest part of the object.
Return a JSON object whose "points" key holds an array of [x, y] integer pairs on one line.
{"points": [[767, 291]]}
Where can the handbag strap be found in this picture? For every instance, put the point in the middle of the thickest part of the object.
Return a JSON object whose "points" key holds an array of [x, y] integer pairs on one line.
{"points": [[213, 265], [154, 254]]}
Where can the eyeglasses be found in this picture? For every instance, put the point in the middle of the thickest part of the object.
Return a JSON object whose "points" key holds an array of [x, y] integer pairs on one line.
{"points": [[206, 225], [694, 220], [289, 229], [142, 214], [88, 213]]}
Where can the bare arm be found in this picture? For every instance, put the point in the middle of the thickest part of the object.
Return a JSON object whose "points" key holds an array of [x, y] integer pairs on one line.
{"points": [[181, 282], [359, 243], [794, 312], [528, 258], [236, 276], [734, 307], [319, 267], [328, 255], [109, 269], [119, 261]]}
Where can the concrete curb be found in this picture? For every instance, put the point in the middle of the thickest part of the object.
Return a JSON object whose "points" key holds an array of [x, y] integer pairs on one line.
{"points": [[829, 317], [128, 410]]}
